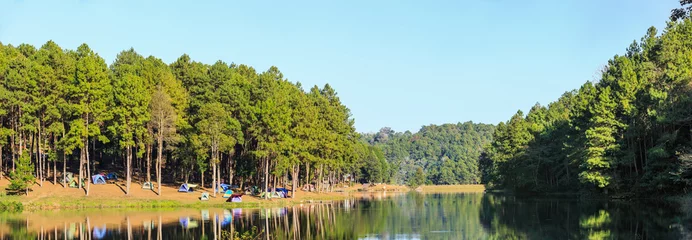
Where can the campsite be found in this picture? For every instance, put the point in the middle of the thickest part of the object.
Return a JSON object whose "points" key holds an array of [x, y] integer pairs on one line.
{"points": [[247, 120]]}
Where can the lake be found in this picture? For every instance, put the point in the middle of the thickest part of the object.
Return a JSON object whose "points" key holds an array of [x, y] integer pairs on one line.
{"points": [[377, 216]]}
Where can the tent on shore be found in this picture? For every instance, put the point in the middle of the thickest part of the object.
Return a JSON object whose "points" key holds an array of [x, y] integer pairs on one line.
{"points": [[186, 188], [236, 197], [272, 195], [74, 184], [111, 176], [68, 177], [204, 197], [282, 190], [98, 179], [227, 194], [148, 185]]}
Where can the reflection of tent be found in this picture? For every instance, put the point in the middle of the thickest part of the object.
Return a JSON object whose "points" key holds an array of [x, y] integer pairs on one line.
{"points": [[205, 215], [204, 197], [99, 232], [187, 223], [148, 185], [72, 231], [186, 188], [235, 198], [237, 212], [148, 224], [98, 179], [227, 218], [227, 194], [111, 176]]}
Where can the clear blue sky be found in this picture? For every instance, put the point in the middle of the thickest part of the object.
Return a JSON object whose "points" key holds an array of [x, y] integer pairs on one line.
{"points": [[396, 63]]}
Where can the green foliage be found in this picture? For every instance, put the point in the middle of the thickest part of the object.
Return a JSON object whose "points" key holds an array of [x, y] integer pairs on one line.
{"points": [[22, 178], [628, 133], [447, 153], [11, 206], [417, 179]]}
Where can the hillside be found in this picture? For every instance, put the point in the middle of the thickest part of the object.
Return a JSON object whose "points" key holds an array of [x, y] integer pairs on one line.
{"points": [[447, 153]]}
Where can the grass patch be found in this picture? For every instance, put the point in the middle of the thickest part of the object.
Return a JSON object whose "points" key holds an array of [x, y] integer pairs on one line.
{"points": [[11, 204], [100, 203], [453, 188]]}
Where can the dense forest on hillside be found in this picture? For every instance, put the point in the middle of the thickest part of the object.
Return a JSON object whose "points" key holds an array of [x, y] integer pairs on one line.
{"points": [[445, 154], [628, 132], [67, 110]]}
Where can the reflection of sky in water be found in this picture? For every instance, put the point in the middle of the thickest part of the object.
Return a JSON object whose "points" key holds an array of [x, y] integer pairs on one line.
{"points": [[411, 216]]}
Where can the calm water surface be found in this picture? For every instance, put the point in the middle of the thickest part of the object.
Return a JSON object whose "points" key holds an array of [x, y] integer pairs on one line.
{"points": [[407, 216]]}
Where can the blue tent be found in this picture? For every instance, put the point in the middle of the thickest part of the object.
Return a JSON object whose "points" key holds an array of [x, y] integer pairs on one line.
{"points": [[98, 179], [285, 191], [112, 176], [228, 193], [99, 232], [224, 186], [185, 188]]}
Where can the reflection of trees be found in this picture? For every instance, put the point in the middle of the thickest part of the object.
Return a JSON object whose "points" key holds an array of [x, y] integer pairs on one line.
{"points": [[439, 216], [507, 217], [424, 216]]}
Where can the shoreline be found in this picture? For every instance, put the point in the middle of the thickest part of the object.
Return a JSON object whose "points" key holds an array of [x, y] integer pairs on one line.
{"points": [[54, 197]]}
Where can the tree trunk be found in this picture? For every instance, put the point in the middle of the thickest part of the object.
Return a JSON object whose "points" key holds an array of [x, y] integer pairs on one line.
{"points": [[55, 170], [296, 171], [81, 168], [266, 176], [39, 160], [307, 173], [213, 173], [128, 163], [88, 168], [159, 161], [13, 147], [86, 155], [320, 183], [148, 163], [230, 169], [2, 170], [64, 169]]}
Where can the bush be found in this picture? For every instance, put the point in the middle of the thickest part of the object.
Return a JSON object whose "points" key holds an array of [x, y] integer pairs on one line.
{"points": [[11, 206], [22, 177]]}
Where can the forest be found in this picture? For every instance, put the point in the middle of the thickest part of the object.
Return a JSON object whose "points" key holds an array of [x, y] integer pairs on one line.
{"points": [[442, 155], [68, 111], [624, 134]]}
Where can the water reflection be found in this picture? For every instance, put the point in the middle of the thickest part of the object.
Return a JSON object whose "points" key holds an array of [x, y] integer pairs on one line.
{"points": [[411, 216]]}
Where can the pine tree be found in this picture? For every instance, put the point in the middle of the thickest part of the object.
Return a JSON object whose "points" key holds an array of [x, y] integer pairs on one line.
{"points": [[22, 176]]}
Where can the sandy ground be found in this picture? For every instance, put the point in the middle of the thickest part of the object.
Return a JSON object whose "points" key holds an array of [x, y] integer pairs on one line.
{"points": [[453, 188], [116, 190]]}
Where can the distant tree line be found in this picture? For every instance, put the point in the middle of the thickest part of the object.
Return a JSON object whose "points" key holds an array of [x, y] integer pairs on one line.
{"points": [[67, 110], [445, 154], [628, 132]]}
